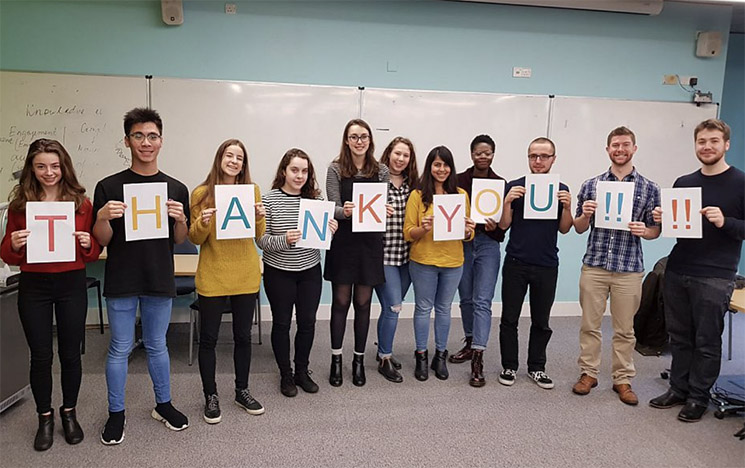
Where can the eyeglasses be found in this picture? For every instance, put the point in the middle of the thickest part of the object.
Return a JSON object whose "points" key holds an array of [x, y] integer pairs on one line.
{"points": [[486, 153], [355, 138], [540, 157], [139, 136]]}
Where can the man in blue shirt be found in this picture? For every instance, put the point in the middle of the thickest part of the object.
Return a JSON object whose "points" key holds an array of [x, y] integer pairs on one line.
{"points": [[531, 260], [700, 274], [613, 266]]}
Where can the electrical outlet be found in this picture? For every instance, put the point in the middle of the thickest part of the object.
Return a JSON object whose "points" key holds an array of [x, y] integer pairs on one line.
{"points": [[670, 79], [231, 8], [688, 80], [522, 72]]}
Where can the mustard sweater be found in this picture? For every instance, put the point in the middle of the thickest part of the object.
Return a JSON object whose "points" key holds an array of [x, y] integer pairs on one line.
{"points": [[226, 267], [444, 254]]}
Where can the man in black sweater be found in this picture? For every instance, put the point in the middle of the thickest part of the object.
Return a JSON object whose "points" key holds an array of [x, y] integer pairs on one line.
{"points": [[700, 275]]}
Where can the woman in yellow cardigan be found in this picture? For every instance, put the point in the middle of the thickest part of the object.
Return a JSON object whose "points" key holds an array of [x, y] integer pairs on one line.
{"points": [[435, 267], [228, 270]]}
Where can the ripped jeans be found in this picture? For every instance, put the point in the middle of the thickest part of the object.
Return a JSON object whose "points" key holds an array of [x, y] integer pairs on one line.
{"points": [[391, 295]]}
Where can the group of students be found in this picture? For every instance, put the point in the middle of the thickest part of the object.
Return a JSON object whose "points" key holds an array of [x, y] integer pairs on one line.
{"points": [[229, 272]]}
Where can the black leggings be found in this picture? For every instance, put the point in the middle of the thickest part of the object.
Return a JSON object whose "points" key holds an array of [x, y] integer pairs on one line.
{"points": [[285, 289], [210, 317], [342, 296], [39, 296]]}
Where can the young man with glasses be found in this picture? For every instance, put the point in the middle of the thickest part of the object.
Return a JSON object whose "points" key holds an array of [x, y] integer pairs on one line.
{"points": [[700, 275], [139, 273], [531, 260], [613, 266], [480, 268]]}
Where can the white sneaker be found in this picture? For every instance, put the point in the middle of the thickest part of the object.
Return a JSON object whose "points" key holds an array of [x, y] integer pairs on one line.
{"points": [[541, 379]]}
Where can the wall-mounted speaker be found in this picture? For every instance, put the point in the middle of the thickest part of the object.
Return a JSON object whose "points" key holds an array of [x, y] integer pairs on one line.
{"points": [[708, 44], [172, 11]]}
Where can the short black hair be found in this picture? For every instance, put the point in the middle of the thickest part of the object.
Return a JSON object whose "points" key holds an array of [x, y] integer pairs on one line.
{"points": [[142, 115], [483, 139]]}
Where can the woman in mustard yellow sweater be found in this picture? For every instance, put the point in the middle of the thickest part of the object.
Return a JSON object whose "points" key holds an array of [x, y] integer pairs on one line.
{"points": [[228, 270], [435, 267]]}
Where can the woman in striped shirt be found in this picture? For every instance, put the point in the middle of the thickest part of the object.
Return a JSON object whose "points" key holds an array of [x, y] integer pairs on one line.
{"points": [[400, 158], [292, 275]]}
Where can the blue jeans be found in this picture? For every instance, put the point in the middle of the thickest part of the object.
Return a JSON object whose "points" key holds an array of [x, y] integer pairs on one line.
{"points": [[155, 313], [391, 294], [433, 287], [476, 288]]}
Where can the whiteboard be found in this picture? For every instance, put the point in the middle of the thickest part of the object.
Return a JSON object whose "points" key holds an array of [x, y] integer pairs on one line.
{"points": [[84, 112], [664, 137], [198, 115], [433, 118]]}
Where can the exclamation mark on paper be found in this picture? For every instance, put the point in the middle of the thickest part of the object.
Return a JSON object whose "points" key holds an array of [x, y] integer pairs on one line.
{"points": [[688, 213], [675, 213], [620, 204], [607, 206]]}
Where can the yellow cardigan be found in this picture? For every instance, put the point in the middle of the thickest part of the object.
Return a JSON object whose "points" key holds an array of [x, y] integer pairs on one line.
{"points": [[444, 254], [226, 267]]}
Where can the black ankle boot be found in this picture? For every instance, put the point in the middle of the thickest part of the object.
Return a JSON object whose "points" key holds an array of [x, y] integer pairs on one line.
{"points": [[335, 378], [477, 369], [439, 365], [45, 434], [388, 370], [358, 370], [422, 359], [73, 431]]}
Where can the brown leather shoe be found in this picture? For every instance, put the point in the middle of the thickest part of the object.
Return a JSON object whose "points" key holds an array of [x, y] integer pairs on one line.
{"points": [[465, 353], [625, 394], [585, 384]]}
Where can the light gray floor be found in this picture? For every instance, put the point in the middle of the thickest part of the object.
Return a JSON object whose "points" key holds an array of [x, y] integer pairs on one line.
{"points": [[435, 423]]}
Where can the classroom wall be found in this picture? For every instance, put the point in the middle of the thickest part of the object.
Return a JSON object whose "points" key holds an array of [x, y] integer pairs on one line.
{"points": [[420, 45]]}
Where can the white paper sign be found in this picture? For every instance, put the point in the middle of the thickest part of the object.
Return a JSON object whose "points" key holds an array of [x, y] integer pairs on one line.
{"points": [[313, 223], [615, 203], [450, 217], [146, 215], [541, 196], [681, 215], [487, 200], [369, 200], [235, 214], [52, 225]]}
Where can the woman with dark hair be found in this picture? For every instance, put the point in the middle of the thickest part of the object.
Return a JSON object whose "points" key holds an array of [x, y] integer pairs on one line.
{"points": [[228, 270], [354, 264], [435, 267], [51, 289], [292, 275], [400, 158]]}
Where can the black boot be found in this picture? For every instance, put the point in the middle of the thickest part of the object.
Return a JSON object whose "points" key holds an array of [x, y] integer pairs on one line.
{"points": [[388, 370], [439, 365], [335, 378], [422, 359], [73, 431], [45, 433], [465, 354], [358, 370], [477, 369]]}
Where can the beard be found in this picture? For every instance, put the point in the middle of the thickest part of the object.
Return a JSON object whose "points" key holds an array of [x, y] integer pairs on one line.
{"points": [[710, 160]]}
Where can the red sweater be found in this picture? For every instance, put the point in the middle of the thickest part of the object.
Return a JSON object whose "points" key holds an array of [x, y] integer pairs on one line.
{"points": [[83, 222]]}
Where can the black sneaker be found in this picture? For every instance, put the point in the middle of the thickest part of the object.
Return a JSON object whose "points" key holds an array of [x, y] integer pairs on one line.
{"points": [[303, 380], [287, 385], [212, 409], [507, 377], [174, 419], [113, 431], [244, 399], [541, 379]]}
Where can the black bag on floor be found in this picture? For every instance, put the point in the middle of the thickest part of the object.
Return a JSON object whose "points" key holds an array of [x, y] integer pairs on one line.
{"points": [[649, 322]]}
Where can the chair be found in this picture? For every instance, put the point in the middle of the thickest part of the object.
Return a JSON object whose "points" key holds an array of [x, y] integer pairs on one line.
{"points": [[194, 321], [185, 284], [91, 282]]}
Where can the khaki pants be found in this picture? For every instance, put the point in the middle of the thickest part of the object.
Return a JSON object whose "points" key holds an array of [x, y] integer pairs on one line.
{"points": [[595, 284]]}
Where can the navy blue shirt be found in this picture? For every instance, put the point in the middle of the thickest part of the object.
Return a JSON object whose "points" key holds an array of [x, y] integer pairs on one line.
{"points": [[717, 253], [533, 241]]}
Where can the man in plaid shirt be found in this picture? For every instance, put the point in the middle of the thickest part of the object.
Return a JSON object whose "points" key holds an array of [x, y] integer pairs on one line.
{"points": [[613, 265]]}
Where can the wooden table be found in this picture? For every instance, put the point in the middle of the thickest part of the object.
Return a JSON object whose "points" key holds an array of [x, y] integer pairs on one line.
{"points": [[736, 304]]}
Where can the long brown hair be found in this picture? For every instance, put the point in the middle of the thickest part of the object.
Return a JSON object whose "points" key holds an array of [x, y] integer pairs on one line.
{"points": [[427, 182], [411, 172], [310, 188], [29, 188], [346, 164], [215, 176]]}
